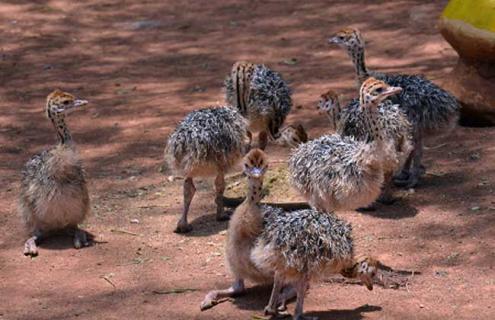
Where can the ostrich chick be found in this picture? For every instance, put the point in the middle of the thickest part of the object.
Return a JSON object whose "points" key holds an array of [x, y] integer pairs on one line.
{"points": [[431, 110], [329, 105], [336, 172], [267, 245], [54, 195], [261, 96], [302, 246], [208, 142], [292, 136], [397, 129]]}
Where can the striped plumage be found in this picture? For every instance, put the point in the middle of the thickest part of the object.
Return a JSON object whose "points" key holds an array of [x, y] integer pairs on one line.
{"points": [[208, 142], [336, 172], [53, 193], [431, 110], [260, 95]]}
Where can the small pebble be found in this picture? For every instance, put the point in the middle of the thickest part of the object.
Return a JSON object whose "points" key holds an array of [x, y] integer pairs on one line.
{"points": [[143, 24], [441, 273], [474, 156]]}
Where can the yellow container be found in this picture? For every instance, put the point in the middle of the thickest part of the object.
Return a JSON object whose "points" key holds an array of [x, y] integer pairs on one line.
{"points": [[478, 13], [469, 26]]}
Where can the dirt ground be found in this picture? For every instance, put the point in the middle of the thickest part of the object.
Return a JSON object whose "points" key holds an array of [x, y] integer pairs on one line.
{"points": [[143, 65]]}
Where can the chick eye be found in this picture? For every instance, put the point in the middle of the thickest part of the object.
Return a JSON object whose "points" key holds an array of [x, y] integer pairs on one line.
{"points": [[379, 90], [66, 102]]}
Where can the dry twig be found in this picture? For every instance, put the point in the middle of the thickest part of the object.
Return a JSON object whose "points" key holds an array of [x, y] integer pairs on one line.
{"points": [[107, 279], [123, 232], [174, 291]]}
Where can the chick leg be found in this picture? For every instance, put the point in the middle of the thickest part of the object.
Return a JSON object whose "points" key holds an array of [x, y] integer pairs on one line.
{"points": [[271, 308], [288, 293], [417, 169], [301, 287], [219, 190], [412, 169], [80, 238], [248, 145], [386, 196], [263, 139], [213, 297], [30, 246], [404, 174], [189, 190]]}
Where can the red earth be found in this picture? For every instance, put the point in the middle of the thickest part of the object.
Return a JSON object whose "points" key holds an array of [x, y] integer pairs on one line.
{"points": [[145, 64]]}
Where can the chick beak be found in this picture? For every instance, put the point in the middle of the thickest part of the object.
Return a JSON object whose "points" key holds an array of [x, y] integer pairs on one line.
{"points": [[390, 91], [368, 283], [256, 172], [333, 40], [318, 109], [80, 103]]}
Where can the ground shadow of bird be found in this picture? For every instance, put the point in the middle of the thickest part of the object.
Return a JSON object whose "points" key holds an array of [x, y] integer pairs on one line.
{"points": [[439, 180], [64, 240], [255, 298], [399, 210], [207, 225], [346, 314]]}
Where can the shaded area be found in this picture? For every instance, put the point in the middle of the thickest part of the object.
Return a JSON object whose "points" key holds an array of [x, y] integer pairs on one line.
{"points": [[399, 210], [353, 314], [143, 65]]}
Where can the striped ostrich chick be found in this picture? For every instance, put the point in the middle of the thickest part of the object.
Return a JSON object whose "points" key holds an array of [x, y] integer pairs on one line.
{"points": [[329, 105], [261, 96], [292, 135], [431, 110], [302, 246], [267, 245], [208, 142], [397, 129], [336, 172], [54, 194]]}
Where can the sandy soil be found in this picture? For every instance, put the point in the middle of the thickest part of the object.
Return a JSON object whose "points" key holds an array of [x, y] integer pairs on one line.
{"points": [[144, 65]]}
